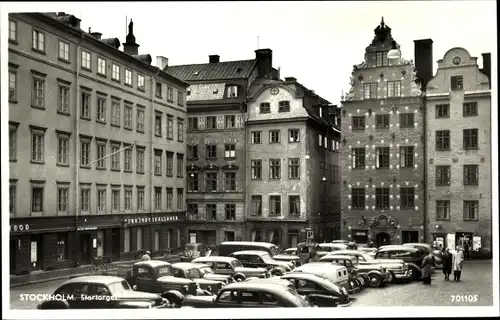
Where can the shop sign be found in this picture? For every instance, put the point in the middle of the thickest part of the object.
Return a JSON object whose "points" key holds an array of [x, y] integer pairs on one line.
{"points": [[87, 228], [19, 227], [360, 233], [151, 219]]}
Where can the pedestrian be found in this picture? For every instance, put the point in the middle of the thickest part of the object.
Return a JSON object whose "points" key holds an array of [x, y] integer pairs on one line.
{"points": [[427, 269], [447, 264], [457, 262], [146, 256], [467, 251]]}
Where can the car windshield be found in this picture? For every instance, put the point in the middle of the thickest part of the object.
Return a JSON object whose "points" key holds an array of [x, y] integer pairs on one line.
{"points": [[119, 286], [266, 257], [164, 271], [294, 296], [193, 273], [236, 264]]}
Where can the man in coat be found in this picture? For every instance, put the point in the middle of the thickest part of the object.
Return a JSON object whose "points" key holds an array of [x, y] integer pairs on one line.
{"points": [[457, 262], [146, 256], [447, 263], [427, 263]]}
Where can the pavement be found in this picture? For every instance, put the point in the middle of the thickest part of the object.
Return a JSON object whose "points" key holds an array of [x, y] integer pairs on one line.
{"points": [[477, 279]]}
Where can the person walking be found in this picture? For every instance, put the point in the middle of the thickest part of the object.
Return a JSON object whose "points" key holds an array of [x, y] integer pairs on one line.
{"points": [[146, 256], [447, 263], [457, 262], [467, 251], [427, 269]]}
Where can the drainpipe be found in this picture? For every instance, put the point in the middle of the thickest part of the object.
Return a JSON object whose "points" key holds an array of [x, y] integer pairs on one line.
{"points": [[424, 120], [246, 175], [77, 147], [151, 159]]}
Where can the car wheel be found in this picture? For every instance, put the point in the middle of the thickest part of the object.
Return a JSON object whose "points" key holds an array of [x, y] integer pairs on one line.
{"points": [[55, 304], [174, 297], [239, 278], [375, 280]]}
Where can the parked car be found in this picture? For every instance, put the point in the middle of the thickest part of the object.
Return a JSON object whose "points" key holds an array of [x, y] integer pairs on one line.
{"points": [[228, 247], [337, 274], [262, 259], [289, 258], [370, 251], [249, 295], [232, 267], [437, 255], [323, 249], [350, 244], [108, 292], [193, 251], [411, 256], [208, 273], [188, 270]]}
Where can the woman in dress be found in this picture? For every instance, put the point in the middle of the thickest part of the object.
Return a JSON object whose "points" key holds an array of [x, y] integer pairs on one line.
{"points": [[427, 263]]}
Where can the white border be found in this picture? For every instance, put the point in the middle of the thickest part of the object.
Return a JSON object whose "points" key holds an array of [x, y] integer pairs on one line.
{"points": [[366, 312]]}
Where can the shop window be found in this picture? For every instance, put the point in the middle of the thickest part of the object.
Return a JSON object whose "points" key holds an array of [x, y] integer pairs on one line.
{"points": [[126, 240], [62, 246]]}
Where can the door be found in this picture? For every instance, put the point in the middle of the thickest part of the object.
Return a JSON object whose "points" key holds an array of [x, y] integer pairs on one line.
{"points": [[85, 249], [13, 248], [145, 279], [115, 244], [36, 252], [192, 238], [409, 236], [156, 247], [100, 243], [294, 239], [383, 239]]}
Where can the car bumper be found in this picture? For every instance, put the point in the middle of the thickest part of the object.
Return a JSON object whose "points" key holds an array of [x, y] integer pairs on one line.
{"points": [[343, 305], [402, 274]]}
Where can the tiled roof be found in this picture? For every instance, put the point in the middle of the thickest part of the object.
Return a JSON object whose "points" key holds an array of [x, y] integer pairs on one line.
{"points": [[206, 91], [213, 71]]}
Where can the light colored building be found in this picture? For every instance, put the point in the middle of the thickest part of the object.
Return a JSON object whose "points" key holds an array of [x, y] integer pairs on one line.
{"points": [[459, 151], [97, 142]]}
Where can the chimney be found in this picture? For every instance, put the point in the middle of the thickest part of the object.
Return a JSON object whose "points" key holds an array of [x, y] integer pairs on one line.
{"points": [[290, 79], [161, 62], [130, 47], [423, 61], [96, 35], [213, 58], [487, 66], [264, 59]]}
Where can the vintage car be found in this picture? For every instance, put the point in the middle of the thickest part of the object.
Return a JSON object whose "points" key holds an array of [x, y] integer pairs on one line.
{"points": [[322, 249], [350, 244], [412, 257], [248, 294], [262, 259], [370, 251], [207, 273], [289, 258], [188, 270], [102, 292], [336, 273], [193, 251], [232, 267], [437, 255], [228, 247]]}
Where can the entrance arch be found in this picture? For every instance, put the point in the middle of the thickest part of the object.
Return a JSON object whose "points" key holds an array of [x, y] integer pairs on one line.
{"points": [[382, 239]]}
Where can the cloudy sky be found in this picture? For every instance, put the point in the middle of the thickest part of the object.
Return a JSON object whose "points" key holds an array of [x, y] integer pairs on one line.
{"points": [[316, 42]]}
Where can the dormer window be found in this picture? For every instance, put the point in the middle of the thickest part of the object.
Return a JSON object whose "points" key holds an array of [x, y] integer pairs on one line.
{"points": [[232, 91], [381, 59], [265, 107], [284, 106], [188, 92], [457, 83]]}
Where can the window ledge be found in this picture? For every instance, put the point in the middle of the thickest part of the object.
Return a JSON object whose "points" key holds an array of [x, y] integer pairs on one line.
{"points": [[169, 175], [139, 131], [87, 69], [158, 174], [13, 101], [116, 170], [141, 89], [64, 60], [116, 125], [158, 135], [84, 166], [38, 107], [101, 169], [170, 138], [127, 171], [127, 128], [180, 140], [63, 113], [63, 165], [101, 121], [38, 51], [230, 158], [12, 160], [13, 41], [102, 75], [115, 80], [37, 162], [85, 118], [128, 85]]}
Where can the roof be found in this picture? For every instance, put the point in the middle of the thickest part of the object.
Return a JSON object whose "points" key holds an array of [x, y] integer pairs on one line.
{"points": [[248, 243], [213, 71], [95, 279], [337, 256], [331, 245], [254, 252], [345, 252], [317, 264], [214, 259], [152, 263], [302, 276], [184, 265]]}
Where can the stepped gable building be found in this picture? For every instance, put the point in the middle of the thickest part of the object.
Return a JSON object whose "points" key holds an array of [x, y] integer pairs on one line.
{"points": [[96, 147], [382, 147]]}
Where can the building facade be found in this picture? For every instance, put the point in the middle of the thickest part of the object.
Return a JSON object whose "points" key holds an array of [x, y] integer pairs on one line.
{"points": [[382, 148], [458, 110], [97, 147]]}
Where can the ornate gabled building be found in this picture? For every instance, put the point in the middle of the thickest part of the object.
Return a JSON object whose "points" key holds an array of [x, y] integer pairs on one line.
{"points": [[382, 148]]}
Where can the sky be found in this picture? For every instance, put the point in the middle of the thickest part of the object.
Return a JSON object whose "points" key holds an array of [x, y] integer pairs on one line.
{"points": [[315, 42]]}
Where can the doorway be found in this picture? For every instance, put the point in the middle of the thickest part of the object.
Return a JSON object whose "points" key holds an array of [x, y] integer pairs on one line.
{"points": [[409, 236], [383, 239], [36, 254], [192, 238], [14, 247], [115, 244], [85, 250]]}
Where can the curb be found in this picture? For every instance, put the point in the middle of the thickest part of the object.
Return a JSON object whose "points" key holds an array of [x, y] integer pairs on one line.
{"points": [[47, 280]]}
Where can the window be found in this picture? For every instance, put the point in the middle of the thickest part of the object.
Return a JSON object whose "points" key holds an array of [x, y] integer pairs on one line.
{"points": [[170, 198], [265, 107], [38, 146], [443, 175], [85, 105], [393, 89], [407, 196], [294, 168], [230, 181], [358, 158], [256, 169], [358, 123], [158, 156], [38, 40], [101, 66], [382, 121], [471, 175], [211, 181], [230, 122], [442, 210], [115, 157], [63, 50], [443, 140], [12, 30], [193, 182], [180, 130], [37, 198], [12, 197], [84, 152], [12, 143], [211, 211], [470, 109], [140, 83], [180, 199], [230, 151], [274, 136], [284, 106], [100, 154], [63, 149], [275, 205], [180, 98], [382, 157], [140, 198], [470, 139], [128, 198], [85, 198], [406, 120], [127, 116], [115, 197], [157, 198], [62, 197], [370, 91], [457, 83], [294, 205], [115, 113], [358, 198], [211, 151], [232, 91], [170, 163], [170, 94], [256, 202], [116, 72], [12, 86], [230, 210], [101, 109], [63, 99], [192, 208], [381, 59], [128, 77], [158, 124], [382, 198], [294, 135], [442, 111], [158, 89], [180, 165], [274, 169], [140, 238], [211, 122], [128, 159], [471, 210], [101, 198], [38, 93], [140, 120], [192, 152], [256, 137], [407, 156], [127, 243], [86, 60], [140, 159], [193, 123]]}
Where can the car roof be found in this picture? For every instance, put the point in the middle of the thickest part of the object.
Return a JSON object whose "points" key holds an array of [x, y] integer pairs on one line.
{"points": [[317, 264], [251, 252], [290, 249], [152, 263], [337, 256], [302, 276], [184, 265], [344, 252], [196, 244], [248, 243], [390, 248], [331, 245], [270, 286], [214, 259], [94, 279]]}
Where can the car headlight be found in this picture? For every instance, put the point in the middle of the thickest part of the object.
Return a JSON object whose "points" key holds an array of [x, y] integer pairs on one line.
{"points": [[352, 284], [344, 291]]}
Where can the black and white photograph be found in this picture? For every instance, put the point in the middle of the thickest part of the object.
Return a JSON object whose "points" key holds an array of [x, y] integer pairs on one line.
{"points": [[263, 155]]}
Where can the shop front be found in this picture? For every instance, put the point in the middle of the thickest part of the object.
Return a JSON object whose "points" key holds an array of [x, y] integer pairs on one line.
{"points": [[284, 234], [212, 233]]}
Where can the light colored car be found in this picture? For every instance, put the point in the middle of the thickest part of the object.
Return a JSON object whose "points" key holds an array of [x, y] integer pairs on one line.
{"points": [[323, 249], [231, 267], [338, 274]]}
